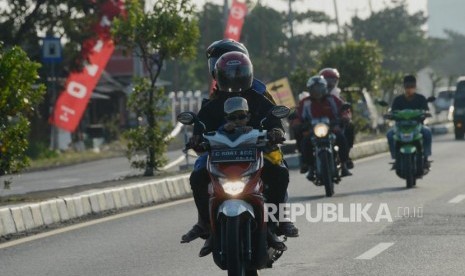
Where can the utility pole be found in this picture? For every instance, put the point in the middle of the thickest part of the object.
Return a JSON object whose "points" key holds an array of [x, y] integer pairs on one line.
{"points": [[225, 13], [370, 6], [336, 14], [291, 30]]}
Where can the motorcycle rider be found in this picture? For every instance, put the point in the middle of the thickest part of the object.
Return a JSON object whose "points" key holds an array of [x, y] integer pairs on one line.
{"points": [[322, 104], [213, 52], [332, 77], [234, 76], [411, 100], [220, 47]]}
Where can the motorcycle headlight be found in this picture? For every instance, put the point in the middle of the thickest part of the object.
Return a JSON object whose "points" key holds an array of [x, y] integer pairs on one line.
{"points": [[233, 187], [320, 130]]}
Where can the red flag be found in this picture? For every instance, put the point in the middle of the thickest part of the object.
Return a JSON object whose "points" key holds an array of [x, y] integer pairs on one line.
{"points": [[73, 101], [236, 17]]}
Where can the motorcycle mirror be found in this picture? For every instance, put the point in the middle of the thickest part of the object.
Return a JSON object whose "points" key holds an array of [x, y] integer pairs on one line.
{"points": [[280, 111], [186, 118], [431, 99]]}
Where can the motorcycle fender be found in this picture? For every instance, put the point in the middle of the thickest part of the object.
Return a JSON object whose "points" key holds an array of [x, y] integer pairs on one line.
{"points": [[408, 149], [235, 207]]}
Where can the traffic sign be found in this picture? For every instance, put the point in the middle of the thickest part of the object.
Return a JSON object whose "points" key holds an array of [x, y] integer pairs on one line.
{"points": [[281, 92], [51, 50]]}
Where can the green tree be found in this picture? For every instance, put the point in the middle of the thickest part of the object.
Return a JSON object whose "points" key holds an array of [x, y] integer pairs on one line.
{"points": [[19, 96], [22, 20], [167, 31], [193, 74], [400, 35], [451, 61], [358, 62]]}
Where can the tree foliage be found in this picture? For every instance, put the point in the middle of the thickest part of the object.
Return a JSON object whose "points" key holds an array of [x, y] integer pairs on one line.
{"points": [[450, 63], [22, 22], [400, 35], [19, 96], [167, 31], [358, 62]]}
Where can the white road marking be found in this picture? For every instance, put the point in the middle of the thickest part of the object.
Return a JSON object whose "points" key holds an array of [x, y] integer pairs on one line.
{"points": [[457, 199], [90, 223], [68, 180], [174, 163], [370, 254]]}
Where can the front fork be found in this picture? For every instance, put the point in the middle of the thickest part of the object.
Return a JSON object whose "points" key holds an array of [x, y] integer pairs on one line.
{"points": [[324, 144]]}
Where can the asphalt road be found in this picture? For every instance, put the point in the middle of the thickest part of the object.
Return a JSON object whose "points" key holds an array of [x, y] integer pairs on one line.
{"points": [[426, 236]]}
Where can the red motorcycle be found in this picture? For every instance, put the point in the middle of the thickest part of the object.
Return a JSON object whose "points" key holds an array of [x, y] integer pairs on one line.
{"points": [[240, 232]]}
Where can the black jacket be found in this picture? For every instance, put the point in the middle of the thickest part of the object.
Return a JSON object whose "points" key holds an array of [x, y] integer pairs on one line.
{"points": [[417, 102], [212, 112]]}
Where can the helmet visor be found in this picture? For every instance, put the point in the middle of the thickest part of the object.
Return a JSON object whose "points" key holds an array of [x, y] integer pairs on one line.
{"points": [[234, 78]]}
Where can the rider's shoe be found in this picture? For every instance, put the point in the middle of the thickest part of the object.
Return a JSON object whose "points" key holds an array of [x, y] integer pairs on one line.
{"points": [[311, 174], [207, 247], [275, 241], [197, 231], [350, 164], [344, 170], [303, 167], [288, 229]]}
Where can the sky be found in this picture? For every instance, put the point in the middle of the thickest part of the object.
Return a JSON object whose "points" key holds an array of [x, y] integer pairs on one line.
{"points": [[346, 8]]}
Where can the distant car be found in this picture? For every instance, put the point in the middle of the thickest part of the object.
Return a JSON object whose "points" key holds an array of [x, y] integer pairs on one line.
{"points": [[444, 99], [459, 109]]}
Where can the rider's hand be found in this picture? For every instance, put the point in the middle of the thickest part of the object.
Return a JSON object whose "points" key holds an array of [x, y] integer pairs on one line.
{"points": [[276, 135], [247, 129], [229, 127], [194, 141]]}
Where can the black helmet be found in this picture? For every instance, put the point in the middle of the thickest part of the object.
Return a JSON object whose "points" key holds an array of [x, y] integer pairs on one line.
{"points": [[317, 87], [219, 47], [234, 72]]}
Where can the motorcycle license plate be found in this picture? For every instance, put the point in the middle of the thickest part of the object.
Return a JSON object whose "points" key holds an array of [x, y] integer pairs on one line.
{"points": [[233, 155]]}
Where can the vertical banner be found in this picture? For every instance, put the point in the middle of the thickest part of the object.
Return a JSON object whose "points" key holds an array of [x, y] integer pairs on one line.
{"points": [[73, 101], [235, 22]]}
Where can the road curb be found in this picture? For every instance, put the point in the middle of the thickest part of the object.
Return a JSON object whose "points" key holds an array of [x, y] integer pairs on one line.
{"points": [[31, 216]]}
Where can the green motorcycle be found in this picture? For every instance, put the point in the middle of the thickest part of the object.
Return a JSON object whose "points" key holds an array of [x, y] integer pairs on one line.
{"points": [[408, 140]]}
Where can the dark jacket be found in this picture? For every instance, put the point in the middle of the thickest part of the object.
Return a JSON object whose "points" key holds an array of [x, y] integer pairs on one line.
{"points": [[212, 112], [417, 102]]}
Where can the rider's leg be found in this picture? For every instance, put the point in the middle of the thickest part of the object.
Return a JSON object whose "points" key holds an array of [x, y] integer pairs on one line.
{"points": [[391, 142], [341, 142], [427, 145], [276, 177], [199, 181], [427, 140], [349, 133], [308, 159]]}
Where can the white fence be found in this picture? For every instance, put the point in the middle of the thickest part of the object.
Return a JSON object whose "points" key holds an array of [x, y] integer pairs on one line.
{"points": [[185, 101]]}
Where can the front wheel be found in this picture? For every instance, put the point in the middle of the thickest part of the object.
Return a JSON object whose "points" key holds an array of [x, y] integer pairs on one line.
{"points": [[236, 265], [410, 171], [326, 174]]}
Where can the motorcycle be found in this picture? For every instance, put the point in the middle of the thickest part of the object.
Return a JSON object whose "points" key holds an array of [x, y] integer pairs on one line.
{"points": [[409, 162], [325, 151], [239, 229]]}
